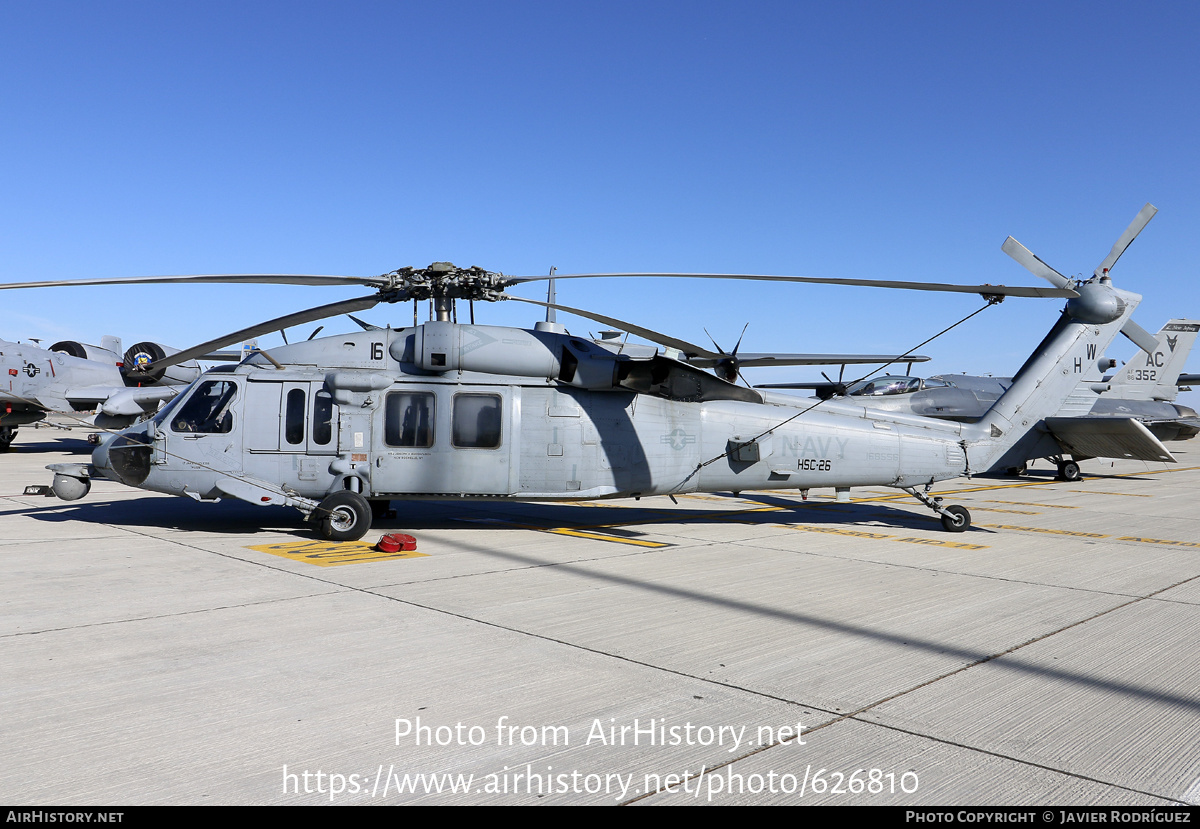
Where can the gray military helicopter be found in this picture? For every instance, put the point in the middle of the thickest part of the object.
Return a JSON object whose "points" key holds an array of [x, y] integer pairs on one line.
{"points": [[340, 426], [74, 377]]}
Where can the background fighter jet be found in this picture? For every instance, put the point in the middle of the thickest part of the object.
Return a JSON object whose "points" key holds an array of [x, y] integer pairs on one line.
{"points": [[77, 377]]}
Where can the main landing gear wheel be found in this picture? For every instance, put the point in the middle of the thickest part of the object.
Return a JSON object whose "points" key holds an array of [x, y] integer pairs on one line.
{"points": [[344, 516], [956, 519], [7, 434], [1068, 471]]}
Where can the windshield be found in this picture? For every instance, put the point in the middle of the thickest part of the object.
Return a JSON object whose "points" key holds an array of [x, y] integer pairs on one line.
{"points": [[207, 408], [165, 412]]}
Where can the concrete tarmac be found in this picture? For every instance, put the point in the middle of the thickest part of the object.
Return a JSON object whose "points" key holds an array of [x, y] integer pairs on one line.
{"points": [[734, 650]]}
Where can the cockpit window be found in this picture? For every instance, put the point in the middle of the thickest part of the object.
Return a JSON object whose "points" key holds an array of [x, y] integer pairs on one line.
{"points": [[207, 409], [161, 416], [888, 384]]}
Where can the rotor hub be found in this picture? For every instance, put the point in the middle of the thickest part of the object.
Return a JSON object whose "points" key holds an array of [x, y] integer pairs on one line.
{"points": [[442, 280]]}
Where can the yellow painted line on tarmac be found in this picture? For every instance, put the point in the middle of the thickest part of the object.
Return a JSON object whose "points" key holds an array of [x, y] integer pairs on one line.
{"points": [[1042, 530], [937, 542], [1106, 492], [812, 528], [1166, 541], [594, 536], [332, 553], [999, 509], [933, 542], [1031, 504]]}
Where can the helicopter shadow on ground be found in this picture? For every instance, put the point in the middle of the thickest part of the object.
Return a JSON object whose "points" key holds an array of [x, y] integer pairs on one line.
{"points": [[617, 520], [236, 517]]}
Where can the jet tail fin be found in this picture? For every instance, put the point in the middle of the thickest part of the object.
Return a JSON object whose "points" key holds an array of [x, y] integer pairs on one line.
{"points": [[1155, 375]]}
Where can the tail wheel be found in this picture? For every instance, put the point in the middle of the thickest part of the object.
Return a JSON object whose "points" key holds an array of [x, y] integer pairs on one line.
{"points": [[344, 516], [956, 519]]}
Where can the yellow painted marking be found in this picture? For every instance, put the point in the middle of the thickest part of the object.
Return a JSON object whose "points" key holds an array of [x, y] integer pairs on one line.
{"points": [[1103, 492], [1014, 511], [961, 545], [1159, 541], [1041, 530], [601, 537], [332, 553], [1028, 504], [809, 528], [937, 542]]}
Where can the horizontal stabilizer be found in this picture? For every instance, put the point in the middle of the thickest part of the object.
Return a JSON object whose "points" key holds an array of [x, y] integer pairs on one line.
{"points": [[1116, 437]]}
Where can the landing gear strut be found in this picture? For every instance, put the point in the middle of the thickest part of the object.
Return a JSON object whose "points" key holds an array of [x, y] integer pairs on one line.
{"points": [[955, 518]]}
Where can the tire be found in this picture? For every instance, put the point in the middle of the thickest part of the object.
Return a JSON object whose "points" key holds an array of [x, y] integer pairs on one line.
{"points": [[957, 519], [344, 516], [7, 435], [1068, 471]]}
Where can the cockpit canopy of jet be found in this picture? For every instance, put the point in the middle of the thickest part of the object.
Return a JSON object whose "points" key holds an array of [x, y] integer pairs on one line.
{"points": [[892, 384]]}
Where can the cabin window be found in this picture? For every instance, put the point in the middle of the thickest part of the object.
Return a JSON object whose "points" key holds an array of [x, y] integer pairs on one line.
{"points": [[408, 419], [476, 421], [207, 410], [322, 418], [293, 420]]}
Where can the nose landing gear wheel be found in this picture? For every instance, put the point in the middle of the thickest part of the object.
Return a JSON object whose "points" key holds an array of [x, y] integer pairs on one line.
{"points": [[344, 516]]}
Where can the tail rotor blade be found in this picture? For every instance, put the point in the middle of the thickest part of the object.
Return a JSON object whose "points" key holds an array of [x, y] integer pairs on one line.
{"points": [[1135, 227], [1032, 264]]}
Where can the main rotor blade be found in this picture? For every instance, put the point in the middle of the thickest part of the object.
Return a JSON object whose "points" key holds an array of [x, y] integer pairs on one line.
{"points": [[767, 359], [1034, 265], [1000, 290], [1135, 227], [300, 317], [252, 278], [690, 349]]}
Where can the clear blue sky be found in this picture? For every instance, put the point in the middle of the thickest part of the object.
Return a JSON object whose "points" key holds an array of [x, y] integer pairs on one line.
{"points": [[898, 140]]}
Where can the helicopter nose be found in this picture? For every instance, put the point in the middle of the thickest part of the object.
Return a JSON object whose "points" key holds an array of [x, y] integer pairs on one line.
{"points": [[125, 457]]}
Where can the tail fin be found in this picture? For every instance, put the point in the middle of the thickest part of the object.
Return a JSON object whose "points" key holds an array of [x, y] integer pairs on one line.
{"points": [[1154, 376], [1069, 355]]}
